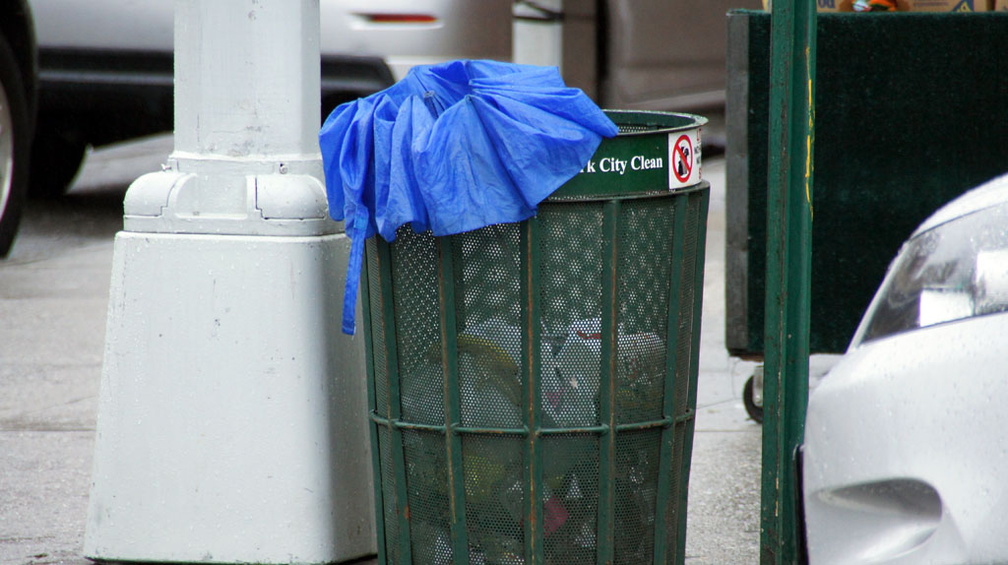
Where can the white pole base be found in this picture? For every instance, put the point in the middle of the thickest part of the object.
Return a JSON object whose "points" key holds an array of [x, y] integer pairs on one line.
{"points": [[233, 420]]}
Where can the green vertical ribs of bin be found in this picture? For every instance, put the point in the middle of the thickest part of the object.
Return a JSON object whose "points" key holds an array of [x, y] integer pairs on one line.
{"points": [[457, 472]]}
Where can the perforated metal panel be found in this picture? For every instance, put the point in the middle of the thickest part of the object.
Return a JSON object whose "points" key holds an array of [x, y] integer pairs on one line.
{"points": [[533, 384]]}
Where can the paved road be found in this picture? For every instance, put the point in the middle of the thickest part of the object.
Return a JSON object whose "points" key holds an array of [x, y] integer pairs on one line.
{"points": [[53, 298]]}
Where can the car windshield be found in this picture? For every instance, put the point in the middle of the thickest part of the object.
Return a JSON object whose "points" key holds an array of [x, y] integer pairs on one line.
{"points": [[954, 271]]}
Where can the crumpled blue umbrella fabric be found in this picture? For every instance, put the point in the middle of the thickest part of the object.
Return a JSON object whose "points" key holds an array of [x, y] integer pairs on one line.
{"points": [[451, 148]]}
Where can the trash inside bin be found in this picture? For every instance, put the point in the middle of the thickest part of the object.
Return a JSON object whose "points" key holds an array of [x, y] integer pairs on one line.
{"points": [[533, 382]]}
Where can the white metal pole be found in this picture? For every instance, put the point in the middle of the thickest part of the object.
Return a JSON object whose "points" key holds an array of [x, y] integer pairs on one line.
{"points": [[537, 29], [232, 422], [246, 79]]}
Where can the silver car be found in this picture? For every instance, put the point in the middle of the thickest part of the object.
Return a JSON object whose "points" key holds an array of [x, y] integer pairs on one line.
{"points": [[105, 67], [905, 454]]}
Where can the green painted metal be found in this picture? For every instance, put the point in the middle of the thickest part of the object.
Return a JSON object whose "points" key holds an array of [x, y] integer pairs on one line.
{"points": [[697, 227], [635, 162], [789, 256], [864, 212], [607, 382], [668, 444], [372, 424], [531, 342], [494, 445], [453, 440], [394, 409], [541, 432]]}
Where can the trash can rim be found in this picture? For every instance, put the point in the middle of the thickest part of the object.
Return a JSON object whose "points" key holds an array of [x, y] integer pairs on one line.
{"points": [[657, 121], [571, 197], [654, 152]]}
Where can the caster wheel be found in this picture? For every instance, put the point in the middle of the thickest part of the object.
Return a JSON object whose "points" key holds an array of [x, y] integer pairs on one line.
{"points": [[753, 404]]}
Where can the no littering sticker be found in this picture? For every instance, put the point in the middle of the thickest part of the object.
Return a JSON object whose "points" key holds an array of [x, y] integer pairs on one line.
{"points": [[684, 159]]}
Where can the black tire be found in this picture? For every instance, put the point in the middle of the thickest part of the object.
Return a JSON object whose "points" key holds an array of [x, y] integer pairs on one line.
{"points": [[15, 145], [56, 157], [748, 398]]}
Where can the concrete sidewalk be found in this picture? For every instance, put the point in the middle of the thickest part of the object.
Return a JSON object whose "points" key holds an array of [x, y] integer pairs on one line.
{"points": [[53, 299]]}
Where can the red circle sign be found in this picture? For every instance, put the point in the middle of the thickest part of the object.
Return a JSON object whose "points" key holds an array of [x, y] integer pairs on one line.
{"points": [[682, 167]]}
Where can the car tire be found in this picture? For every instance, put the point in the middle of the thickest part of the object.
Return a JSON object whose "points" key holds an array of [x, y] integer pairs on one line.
{"points": [[749, 399], [57, 155], [15, 145]]}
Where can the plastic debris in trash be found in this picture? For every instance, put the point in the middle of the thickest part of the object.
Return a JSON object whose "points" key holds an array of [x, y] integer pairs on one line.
{"points": [[490, 361], [571, 392], [492, 390], [452, 148], [490, 379]]}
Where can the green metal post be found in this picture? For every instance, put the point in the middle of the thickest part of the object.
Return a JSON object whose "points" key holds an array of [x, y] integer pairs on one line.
{"points": [[789, 254]]}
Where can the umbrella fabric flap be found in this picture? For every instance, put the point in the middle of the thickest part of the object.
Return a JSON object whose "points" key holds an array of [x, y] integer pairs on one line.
{"points": [[453, 148]]}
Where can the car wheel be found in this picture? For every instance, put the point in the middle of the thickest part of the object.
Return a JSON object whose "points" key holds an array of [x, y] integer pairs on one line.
{"points": [[749, 399], [14, 146], [56, 157]]}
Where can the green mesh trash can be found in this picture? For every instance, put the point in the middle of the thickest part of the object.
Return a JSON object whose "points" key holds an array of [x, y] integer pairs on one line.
{"points": [[533, 384]]}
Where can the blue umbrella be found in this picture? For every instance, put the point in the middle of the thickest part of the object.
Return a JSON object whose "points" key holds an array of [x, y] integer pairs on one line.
{"points": [[452, 148]]}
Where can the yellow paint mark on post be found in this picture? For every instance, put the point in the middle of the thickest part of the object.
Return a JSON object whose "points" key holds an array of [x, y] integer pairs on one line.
{"points": [[811, 133]]}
